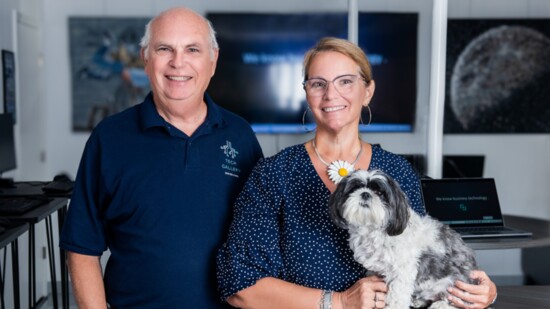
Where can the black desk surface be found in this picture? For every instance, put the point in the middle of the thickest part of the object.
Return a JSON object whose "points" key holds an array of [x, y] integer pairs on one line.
{"points": [[40, 212], [520, 297], [10, 234], [539, 227], [29, 188], [28, 219], [23, 189]]}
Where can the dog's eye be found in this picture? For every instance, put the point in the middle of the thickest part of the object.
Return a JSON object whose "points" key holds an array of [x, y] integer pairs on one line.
{"points": [[377, 188], [352, 185], [374, 186]]}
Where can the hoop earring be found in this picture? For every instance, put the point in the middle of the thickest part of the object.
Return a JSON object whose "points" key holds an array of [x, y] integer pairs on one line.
{"points": [[306, 129], [370, 116]]}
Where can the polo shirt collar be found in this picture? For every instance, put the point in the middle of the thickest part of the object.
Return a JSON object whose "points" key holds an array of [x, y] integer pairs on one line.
{"points": [[151, 118]]}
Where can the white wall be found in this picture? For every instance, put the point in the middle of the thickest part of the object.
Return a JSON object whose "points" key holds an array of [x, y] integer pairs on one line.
{"points": [[519, 163]]}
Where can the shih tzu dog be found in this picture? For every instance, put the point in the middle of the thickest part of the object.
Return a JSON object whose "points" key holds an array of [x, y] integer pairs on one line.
{"points": [[418, 257]]}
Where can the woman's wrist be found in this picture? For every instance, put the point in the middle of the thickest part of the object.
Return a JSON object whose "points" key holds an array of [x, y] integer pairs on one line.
{"points": [[337, 300]]}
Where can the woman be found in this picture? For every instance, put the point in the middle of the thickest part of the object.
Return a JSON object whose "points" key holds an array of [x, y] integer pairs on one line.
{"points": [[283, 251]]}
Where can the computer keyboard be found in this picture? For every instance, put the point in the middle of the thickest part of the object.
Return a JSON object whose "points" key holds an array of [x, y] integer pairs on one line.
{"points": [[20, 205]]}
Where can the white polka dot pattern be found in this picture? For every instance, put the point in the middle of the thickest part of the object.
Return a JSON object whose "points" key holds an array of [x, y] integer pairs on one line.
{"points": [[281, 227]]}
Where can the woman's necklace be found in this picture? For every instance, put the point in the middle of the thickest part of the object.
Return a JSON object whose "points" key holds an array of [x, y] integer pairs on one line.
{"points": [[338, 169]]}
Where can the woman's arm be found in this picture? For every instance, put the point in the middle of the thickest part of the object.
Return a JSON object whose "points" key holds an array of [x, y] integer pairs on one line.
{"points": [[275, 293]]}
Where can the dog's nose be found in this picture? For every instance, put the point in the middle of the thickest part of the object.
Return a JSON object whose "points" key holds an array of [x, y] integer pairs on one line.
{"points": [[366, 196]]}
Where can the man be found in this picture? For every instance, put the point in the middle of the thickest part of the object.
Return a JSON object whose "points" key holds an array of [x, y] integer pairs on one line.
{"points": [[157, 181]]}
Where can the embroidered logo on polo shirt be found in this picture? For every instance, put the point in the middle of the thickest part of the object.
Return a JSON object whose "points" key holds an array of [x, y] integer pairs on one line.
{"points": [[229, 151], [230, 165]]}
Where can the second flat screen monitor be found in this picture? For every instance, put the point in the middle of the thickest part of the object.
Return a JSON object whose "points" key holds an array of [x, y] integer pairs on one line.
{"points": [[259, 74]]}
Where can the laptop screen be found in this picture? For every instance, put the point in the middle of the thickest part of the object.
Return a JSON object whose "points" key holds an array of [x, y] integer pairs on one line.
{"points": [[462, 202]]}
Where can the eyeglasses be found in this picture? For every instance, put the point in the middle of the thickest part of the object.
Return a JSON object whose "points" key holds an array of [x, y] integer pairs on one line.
{"points": [[317, 87]]}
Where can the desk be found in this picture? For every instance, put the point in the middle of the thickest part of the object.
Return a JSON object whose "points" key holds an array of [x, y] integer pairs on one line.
{"points": [[32, 217], [10, 236], [539, 227], [520, 297]]}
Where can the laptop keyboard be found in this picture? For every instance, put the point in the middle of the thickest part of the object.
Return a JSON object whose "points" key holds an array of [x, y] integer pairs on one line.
{"points": [[490, 229], [20, 205]]}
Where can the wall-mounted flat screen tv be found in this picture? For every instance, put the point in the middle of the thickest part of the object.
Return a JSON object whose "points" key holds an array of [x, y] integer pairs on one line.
{"points": [[259, 73]]}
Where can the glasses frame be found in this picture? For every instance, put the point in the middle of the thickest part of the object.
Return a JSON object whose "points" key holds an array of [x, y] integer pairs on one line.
{"points": [[305, 83]]}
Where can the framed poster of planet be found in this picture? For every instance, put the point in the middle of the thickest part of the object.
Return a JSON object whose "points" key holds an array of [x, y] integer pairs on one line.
{"points": [[497, 76]]}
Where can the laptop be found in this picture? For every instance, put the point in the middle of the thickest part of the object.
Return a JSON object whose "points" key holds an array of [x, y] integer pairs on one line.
{"points": [[468, 205]]}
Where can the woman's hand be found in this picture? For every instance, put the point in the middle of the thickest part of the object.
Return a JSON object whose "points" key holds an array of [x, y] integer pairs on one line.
{"points": [[473, 296], [369, 292]]}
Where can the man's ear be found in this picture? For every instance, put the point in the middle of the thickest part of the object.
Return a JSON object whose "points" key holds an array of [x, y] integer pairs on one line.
{"points": [[142, 55]]}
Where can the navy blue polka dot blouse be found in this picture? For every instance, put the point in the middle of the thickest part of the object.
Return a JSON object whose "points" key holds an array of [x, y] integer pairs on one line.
{"points": [[281, 227]]}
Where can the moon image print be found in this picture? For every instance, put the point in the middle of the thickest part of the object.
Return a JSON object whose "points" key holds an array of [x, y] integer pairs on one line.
{"points": [[501, 82]]}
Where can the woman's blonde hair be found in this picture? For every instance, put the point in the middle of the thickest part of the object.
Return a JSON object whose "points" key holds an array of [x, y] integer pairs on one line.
{"points": [[344, 47]]}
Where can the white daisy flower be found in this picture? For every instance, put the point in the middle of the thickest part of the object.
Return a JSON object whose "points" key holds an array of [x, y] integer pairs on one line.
{"points": [[338, 170]]}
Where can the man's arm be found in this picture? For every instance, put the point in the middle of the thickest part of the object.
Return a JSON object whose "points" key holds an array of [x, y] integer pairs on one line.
{"points": [[87, 280]]}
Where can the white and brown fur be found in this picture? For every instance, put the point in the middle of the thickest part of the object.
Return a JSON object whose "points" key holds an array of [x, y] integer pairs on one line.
{"points": [[418, 257]]}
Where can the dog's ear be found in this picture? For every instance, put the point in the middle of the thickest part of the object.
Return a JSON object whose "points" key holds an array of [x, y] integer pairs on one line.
{"points": [[335, 203], [399, 205]]}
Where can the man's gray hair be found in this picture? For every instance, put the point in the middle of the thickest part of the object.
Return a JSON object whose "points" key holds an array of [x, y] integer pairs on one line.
{"points": [[145, 40]]}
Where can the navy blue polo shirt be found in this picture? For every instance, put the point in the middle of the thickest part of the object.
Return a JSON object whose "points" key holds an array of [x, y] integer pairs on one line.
{"points": [[161, 202]]}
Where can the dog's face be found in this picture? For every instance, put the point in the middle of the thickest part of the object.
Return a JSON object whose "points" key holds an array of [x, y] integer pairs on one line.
{"points": [[369, 198]]}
